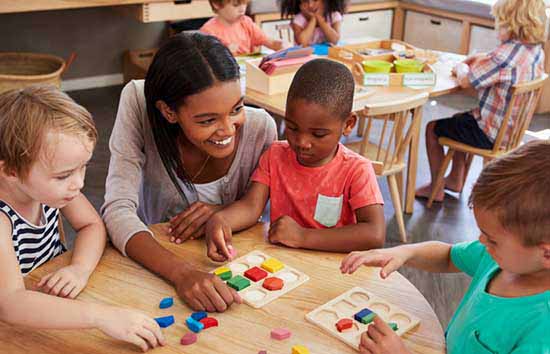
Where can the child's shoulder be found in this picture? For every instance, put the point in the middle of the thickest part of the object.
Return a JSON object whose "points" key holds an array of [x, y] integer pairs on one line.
{"points": [[351, 157], [278, 148], [512, 53]]}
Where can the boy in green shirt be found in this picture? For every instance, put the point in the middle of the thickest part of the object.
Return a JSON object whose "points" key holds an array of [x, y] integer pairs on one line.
{"points": [[507, 306]]}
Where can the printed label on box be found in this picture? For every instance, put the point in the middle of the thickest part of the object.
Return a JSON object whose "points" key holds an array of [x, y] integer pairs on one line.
{"points": [[376, 80], [420, 79]]}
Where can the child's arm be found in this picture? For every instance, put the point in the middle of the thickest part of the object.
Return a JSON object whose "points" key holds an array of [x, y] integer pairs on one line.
{"points": [[332, 33], [432, 256], [19, 306], [369, 232], [304, 35], [274, 44], [237, 216], [89, 245], [462, 70]]}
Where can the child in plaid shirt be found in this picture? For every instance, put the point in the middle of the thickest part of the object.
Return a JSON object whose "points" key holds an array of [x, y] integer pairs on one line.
{"points": [[519, 57]]}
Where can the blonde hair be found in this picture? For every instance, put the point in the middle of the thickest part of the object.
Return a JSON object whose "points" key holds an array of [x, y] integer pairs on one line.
{"points": [[516, 187], [27, 115], [525, 20], [222, 3]]}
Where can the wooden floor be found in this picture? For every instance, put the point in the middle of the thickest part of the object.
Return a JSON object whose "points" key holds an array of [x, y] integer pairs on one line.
{"points": [[451, 222]]}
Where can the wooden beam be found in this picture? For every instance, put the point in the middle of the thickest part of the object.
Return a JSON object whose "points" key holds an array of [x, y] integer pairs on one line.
{"points": [[13, 6], [398, 25], [475, 20], [465, 37]]}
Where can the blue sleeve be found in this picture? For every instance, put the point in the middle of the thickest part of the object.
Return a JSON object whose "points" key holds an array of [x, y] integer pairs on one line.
{"points": [[467, 256]]}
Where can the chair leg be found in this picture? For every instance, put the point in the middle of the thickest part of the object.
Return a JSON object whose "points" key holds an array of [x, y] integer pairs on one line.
{"points": [[467, 165], [361, 125], [439, 182], [396, 199]]}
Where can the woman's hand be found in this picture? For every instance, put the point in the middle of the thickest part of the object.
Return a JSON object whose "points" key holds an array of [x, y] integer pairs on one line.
{"points": [[66, 282], [190, 223], [381, 339], [390, 259]]}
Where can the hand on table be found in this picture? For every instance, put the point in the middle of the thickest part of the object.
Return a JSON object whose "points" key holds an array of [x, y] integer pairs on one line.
{"points": [[205, 291], [190, 223], [286, 231], [130, 326], [66, 282], [381, 339], [390, 259]]}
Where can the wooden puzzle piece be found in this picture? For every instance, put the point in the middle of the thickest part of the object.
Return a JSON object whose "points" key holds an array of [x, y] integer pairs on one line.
{"points": [[238, 282], [165, 321], [360, 302], [280, 333], [166, 303], [194, 325], [209, 322], [299, 349], [273, 283], [255, 274], [188, 338], [224, 273], [343, 324], [272, 265], [199, 315]]}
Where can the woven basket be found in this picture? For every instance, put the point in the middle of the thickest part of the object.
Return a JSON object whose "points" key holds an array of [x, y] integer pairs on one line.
{"points": [[18, 70]]}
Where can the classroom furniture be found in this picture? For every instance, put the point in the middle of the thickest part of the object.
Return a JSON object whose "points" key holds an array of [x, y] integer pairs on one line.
{"points": [[445, 84], [525, 96], [120, 281], [386, 149]]}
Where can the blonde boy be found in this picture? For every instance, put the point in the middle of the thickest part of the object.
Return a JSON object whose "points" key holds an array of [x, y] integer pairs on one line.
{"points": [[236, 30], [507, 306], [521, 30]]}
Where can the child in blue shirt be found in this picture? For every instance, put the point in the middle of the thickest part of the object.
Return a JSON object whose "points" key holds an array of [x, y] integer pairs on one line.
{"points": [[507, 306]]}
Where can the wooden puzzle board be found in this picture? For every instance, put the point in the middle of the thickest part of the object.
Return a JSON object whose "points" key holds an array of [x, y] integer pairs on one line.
{"points": [[351, 302], [255, 295]]}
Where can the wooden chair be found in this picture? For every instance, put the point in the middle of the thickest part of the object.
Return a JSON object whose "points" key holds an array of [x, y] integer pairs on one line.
{"points": [[400, 122], [525, 96], [285, 32]]}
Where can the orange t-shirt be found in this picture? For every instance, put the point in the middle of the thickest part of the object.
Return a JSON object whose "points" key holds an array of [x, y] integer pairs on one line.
{"points": [[242, 37], [317, 197]]}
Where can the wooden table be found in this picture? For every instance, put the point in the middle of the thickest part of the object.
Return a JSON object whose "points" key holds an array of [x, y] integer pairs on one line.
{"points": [[445, 84], [120, 281]]}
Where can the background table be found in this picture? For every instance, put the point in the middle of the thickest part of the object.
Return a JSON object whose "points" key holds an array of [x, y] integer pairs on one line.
{"points": [[120, 281]]}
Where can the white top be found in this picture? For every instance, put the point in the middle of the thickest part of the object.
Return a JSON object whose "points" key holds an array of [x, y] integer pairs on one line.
{"points": [[211, 192]]}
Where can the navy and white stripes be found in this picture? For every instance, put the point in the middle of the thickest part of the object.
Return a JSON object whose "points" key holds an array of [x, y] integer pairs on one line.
{"points": [[34, 245]]}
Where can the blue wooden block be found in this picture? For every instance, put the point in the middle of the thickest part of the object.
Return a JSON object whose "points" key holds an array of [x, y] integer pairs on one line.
{"points": [[194, 325], [197, 316], [165, 321], [363, 313], [166, 303]]}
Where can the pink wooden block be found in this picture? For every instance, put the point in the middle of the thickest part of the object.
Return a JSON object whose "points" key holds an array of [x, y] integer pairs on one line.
{"points": [[280, 333], [188, 338], [232, 252]]}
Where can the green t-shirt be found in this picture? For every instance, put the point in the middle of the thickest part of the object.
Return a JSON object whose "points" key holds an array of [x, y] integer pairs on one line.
{"points": [[484, 323]]}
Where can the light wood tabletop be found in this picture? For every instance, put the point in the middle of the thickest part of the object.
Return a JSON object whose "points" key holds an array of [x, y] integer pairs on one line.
{"points": [[120, 281], [445, 84]]}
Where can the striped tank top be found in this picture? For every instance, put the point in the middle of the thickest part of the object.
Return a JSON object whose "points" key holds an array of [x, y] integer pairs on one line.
{"points": [[34, 245]]}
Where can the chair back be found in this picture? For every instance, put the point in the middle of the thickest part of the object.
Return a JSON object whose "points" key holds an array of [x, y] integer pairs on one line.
{"points": [[386, 148], [285, 32], [521, 108]]}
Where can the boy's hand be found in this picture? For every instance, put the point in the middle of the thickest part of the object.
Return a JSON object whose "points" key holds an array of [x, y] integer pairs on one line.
{"points": [[390, 259], [189, 224], [381, 339], [287, 232], [205, 291], [218, 239], [131, 326], [66, 282]]}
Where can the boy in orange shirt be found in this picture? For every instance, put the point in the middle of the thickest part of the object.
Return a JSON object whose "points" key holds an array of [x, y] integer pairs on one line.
{"points": [[323, 195], [236, 30]]}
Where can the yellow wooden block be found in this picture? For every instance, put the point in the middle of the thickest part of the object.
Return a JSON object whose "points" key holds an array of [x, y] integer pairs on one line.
{"points": [[272, 265], [299, 349], [221, 270]]}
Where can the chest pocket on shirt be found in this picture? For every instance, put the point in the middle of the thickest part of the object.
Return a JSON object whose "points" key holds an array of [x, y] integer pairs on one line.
{"points": [[477, 345], [328, 210]]}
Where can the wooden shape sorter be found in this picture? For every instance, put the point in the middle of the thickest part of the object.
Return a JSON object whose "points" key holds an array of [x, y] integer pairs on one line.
{"points": [[255, 294], [351, 302]]}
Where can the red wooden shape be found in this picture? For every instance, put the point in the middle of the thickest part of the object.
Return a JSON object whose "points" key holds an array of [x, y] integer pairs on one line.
{"points": [[209, 322], [343, 324], [255, 274]]}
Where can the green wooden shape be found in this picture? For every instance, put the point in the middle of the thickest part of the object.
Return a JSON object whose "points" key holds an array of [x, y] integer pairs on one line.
{"points": [[393, 326], [368, 318], [226, 275], [238, 282]]}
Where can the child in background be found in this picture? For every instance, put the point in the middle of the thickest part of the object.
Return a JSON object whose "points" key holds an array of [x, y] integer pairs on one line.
{"points": [[323, 195], [314, 21], [507, 306], [46, 141], [236, 30], [519, 57]]}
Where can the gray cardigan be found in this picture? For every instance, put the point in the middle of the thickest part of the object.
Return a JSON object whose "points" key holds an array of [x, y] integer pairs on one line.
{"points": [[138, 189]]}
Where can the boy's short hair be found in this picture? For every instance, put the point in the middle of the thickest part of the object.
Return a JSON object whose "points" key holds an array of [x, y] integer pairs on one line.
{"points": [[326, 83], [27, 114], [222, 3], [516, 187], [525, 20]]}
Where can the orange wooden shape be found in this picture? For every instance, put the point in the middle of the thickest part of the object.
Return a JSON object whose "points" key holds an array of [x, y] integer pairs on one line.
{"points": [[273, 283]]}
